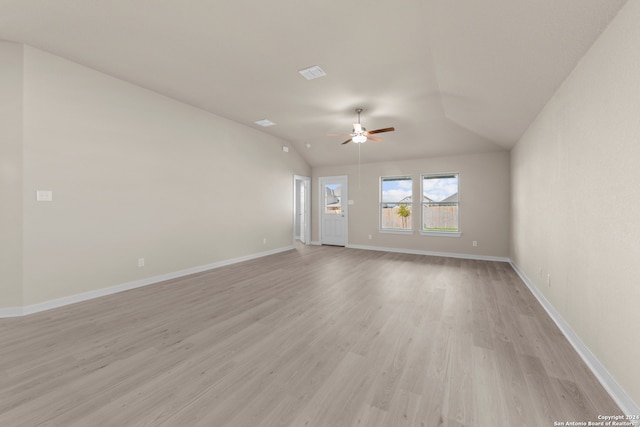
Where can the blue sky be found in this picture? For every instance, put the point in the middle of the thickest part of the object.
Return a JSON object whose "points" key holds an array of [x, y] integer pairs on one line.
{"points": [[394, 191], [436, 189]]}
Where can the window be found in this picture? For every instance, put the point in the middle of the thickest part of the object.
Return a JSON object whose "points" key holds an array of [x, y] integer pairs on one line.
{"points": [[332, 195], [440, 205], [396, 203]]}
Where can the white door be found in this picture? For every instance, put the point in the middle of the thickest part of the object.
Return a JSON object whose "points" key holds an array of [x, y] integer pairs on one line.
{"points": [[302, 209], [333, 210]]}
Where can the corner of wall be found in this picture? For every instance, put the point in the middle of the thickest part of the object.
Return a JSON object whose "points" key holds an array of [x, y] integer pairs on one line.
{"points": [[11, 174], [619, 395]]}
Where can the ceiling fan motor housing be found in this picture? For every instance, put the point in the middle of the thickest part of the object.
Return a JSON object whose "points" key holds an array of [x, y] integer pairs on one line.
{"points": [[359, 133]]}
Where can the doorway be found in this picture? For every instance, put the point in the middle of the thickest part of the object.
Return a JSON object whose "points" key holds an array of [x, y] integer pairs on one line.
{"points": [[333, 210], [301, 209]]}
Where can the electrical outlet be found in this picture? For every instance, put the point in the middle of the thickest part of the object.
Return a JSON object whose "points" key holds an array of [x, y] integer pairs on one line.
{"points": [[370, 237], [475, 243], [44, 196], [140, 262], [264, 241], [549, 280]]}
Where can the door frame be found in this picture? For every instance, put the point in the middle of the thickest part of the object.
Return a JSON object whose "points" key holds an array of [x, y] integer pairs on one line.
{"points": [[305, 183], [345, 205]]}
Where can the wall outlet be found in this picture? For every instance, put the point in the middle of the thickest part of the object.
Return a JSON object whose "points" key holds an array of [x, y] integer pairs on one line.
{"points": [[264, 241], [474, 243], [44, 195], [549, 280], [140, 262], [370, 237]]}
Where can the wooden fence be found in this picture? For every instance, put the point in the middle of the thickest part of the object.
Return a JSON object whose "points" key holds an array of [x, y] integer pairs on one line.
{"points": [[435, 217]]}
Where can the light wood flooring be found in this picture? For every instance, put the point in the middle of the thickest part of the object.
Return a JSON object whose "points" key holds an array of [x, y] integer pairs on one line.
{"points": [[317, 336]]}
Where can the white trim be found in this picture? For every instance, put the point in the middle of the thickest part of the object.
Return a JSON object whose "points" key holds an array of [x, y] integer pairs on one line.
{"points": [[306, 182], [430, 253], [395, 231], [381, 179], [316, 243], [344, 203], [619, 395], [441, 233], [60, 302], [11, 312], [422, 203]]}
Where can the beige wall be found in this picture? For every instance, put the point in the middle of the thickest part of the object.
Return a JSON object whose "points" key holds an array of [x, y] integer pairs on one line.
{"points": [[576, 200], [137, 175], [10, 174], [484, 203]]}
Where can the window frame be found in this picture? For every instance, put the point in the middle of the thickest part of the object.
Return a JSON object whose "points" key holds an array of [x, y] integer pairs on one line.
{"points": [[381, 229], [424, 232]]}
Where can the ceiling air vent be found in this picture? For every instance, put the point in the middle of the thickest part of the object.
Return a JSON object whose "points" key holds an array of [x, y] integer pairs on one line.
{"points": [[264, 123], [312, 72]]}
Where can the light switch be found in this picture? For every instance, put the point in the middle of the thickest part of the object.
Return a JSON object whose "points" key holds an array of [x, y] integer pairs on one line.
{"points": [[44, 196]]}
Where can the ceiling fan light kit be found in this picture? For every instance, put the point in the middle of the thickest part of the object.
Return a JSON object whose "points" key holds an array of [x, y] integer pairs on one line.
{"points": [[358, 139], [360, 134]]}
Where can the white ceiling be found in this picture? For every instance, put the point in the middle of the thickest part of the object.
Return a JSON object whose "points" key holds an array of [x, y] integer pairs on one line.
{"points": [[452, 76]]}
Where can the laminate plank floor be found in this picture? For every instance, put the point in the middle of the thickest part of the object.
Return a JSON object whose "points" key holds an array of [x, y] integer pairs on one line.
{"points": [[316, 336]]}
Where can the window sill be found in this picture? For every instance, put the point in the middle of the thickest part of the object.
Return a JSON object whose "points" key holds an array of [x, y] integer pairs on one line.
{"points": [[441, 233], [391, 231]]}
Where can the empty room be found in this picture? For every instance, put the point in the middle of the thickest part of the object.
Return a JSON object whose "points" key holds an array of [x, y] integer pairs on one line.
{"points": [[421, 213]]}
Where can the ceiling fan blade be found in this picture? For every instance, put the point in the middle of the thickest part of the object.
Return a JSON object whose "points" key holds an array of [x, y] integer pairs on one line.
{"points": [[339, 134], [346, 142], [374, 139], [357, 127], [381, 130]]}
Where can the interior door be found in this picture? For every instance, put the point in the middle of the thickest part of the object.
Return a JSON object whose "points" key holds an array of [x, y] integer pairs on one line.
{"points": [[302, 209], [333, 210]]}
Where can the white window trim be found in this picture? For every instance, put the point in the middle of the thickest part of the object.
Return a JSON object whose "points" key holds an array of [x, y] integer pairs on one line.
{"points": [[439, 233], [394, 230]]}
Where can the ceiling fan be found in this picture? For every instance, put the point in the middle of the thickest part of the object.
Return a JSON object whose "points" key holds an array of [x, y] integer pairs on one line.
{"points": [[360, 134]]}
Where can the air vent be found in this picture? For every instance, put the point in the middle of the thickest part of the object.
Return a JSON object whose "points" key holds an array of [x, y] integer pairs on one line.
{"points": [[312, 72], [264, 123]]}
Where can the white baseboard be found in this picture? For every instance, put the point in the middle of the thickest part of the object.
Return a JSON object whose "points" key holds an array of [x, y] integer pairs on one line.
{"points": [[619, 395], [59, 302], [430, 253], [315, 243], [11, 312]]}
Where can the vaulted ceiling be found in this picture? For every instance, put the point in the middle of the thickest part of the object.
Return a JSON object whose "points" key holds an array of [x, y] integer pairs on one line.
{"points": [[453, 77]]}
